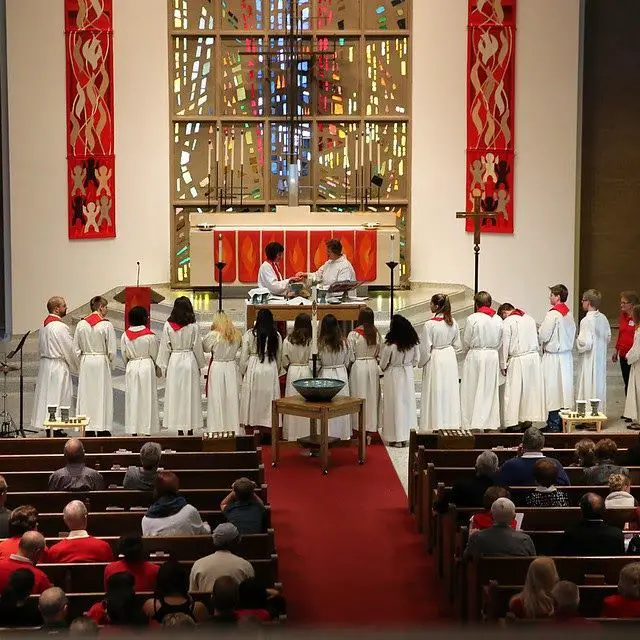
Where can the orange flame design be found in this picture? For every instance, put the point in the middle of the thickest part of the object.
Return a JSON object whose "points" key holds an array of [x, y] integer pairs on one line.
{"points": [[297, 258], [319, 257], [248, 254]]}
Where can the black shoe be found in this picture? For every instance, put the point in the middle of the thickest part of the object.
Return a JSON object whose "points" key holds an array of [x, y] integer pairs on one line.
{"points": [[551, 429], [626, 419]]}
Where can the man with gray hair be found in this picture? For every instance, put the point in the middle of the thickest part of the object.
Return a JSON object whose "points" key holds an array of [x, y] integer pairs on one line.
{"points": [[53, 606], [518, 472], [500, 539], [75, 476], [143, 478]]}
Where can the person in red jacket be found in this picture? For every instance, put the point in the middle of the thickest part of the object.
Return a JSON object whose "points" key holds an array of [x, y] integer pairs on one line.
{"points": [[79, 546], [134, 561], [628, 299], [21, 520], [29, 552], [626, 603]]}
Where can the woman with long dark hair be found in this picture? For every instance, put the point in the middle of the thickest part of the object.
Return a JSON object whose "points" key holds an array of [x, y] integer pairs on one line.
{"points": [[400, 354], [181, 358], [440, 386], [119, 607], [260, 362]]}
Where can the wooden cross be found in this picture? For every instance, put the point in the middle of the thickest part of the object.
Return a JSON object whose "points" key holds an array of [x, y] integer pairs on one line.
{"points": [[477, 215]]}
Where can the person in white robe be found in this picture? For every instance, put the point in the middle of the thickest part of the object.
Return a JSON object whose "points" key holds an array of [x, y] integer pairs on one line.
{"points": [[181, 358], [364, 377], [336, 269], [632, 404], [480, 405], [139, 348], [223, 377], [58, 360], [335, 357], [592, 343], [260, 364], [521, 364], [95, 344], [440, 402], [400, 354], [296, 353], [270, 273], [556, 335]]}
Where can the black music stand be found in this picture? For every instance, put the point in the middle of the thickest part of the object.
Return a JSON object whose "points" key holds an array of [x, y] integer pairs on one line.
{"points": [[10, 356]]}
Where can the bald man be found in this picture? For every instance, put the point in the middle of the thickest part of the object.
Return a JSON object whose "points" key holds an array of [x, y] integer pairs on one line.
{"points": [[75, 476], [58, 360], [54, 607], [29, 552]]}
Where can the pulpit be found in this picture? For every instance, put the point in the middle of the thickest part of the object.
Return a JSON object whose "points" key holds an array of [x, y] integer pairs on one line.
{"points": [[137, 297]]}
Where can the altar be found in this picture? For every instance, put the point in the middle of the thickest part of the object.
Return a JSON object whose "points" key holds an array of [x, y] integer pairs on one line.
{"points": [[369, 241], [344, 312]]}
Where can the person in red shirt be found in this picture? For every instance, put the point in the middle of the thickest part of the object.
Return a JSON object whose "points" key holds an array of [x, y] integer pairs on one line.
{"points": [[134, 561], [22, 519], [628, 299], [626, 603], [79, 546], [29, 551]]}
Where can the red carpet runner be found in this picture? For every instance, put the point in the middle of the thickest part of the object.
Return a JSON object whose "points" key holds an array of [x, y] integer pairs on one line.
{"points": [[348, 552]]}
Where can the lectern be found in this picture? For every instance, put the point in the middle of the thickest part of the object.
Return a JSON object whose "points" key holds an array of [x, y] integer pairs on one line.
{"points": [[137, 297]]}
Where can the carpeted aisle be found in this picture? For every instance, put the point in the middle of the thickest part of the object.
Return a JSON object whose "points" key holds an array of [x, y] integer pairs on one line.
{"points": [[348, 551]]}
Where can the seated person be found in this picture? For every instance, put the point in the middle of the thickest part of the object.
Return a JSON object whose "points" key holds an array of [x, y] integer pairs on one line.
{"points": [[83, 626], [243, 508], [75, 476], [170, 514], [79, 546], [4, 512], [535, 600], [619, 493], [53, 606], [22, 519], [259, 602], [545, 493], [592, 537], [566, 599], [143, 478], [17, 609], [29, 553], [626, 603], [518, 472], [606, 452], [119, 608], [484, 519], [584, 453], [134, 561], [225, 600], [500, 539]]}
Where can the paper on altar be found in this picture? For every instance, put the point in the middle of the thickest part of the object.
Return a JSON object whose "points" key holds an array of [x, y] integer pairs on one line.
{"points": [[358, 298], [299, 300], [258, 291]]}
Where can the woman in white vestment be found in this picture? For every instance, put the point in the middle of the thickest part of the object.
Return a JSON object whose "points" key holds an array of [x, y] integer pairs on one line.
{"points": [[223, 377], [181, 358], [139, 347], [270, 272], [400, 354], [440, 406], [260, 362], [335, 356], [632, 405], [296, 353], [364, 377]]}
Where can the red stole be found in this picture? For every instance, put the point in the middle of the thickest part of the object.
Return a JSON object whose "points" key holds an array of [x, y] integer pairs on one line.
{"points": [[51, 318], [132, 335], [360, 331], [437, 318], [274, 266], [561, 307], [175, 326], [94, 318], [517, 312], [488, 311]]}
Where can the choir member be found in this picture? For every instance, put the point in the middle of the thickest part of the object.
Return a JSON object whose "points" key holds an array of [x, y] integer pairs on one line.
{"points": [[626, 331], [632, 405], [270, 273], [337, 268], [223, 378], [139, 347], [556, 335], [96, 346], [335, 357], [296, 353], [400, 354], [440, 379], [364, 377], [180, 359], [592, 343], [521, 364], [480, 406], [260, 362], [58, 360]]}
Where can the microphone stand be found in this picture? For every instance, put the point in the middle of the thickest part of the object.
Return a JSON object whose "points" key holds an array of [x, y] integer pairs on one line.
{"points": [[19, 349]]}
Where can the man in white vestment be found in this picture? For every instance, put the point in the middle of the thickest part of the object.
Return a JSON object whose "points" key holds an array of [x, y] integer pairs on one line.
{"points": [[336, 269], [521, 364], [95, 344], [270, 274], [480, 405], [592, 342], [58, 360], [556, 335]]}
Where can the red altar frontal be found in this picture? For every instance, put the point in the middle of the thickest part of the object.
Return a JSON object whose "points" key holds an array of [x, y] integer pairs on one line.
{"points": [[369, 240]]}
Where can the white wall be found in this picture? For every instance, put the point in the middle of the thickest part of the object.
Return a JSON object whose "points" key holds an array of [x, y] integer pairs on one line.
{"points": [[44, 261], [514, 268]]}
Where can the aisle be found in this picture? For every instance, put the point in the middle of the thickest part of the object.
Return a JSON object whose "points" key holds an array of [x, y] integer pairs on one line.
{"points": [[348, 551]]}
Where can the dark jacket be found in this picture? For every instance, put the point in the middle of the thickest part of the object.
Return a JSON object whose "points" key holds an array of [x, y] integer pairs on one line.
{"points": [[499, 540], [592, 538], [518, 472], [466, 493], [601, 472]]}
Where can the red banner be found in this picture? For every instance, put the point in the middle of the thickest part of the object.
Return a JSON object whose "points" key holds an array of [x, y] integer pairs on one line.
{"points": [[249, 256], [296, 254], [366, 255], [318, 249], [228, 255]]}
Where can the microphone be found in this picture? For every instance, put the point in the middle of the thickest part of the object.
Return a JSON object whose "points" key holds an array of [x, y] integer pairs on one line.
{"points": [[138, 282]]}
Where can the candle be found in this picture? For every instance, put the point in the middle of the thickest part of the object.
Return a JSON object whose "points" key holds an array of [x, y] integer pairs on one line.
{"points": [[220, 247], [226, 149], [242, 148], [357, 152], [392, 256], [209, 153], [217, 144], [378, 162], [314, 328], [233, 148], [362, 147], [370, 149]]}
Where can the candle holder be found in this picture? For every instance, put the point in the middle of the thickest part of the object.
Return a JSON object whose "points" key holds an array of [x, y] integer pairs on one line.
{"points": [[392, 267], [52, 412], [314, 365], [220, 266], [581, 408], [595, 406]]}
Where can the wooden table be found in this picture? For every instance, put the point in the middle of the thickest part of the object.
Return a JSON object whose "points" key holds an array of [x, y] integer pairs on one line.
{"points": [[52, 426], [322, 411], [570, 420], [286, 312]]}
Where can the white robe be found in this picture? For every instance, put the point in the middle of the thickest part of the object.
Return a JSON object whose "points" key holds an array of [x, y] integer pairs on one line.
{"points": [[480, 405], [223, 384], [399, 409], [58, 360], [141, 414], [295, 359], [260, 385], [334, 365], [364, 378], [96, 347], [632, 404], [180, 357], [268, 278], [520, 356], [592, 342], [333, 271], [440, 404], [556, 335]]}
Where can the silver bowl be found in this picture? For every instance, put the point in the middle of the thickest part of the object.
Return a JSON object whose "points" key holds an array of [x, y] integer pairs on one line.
{"points": [[318, 389]]}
